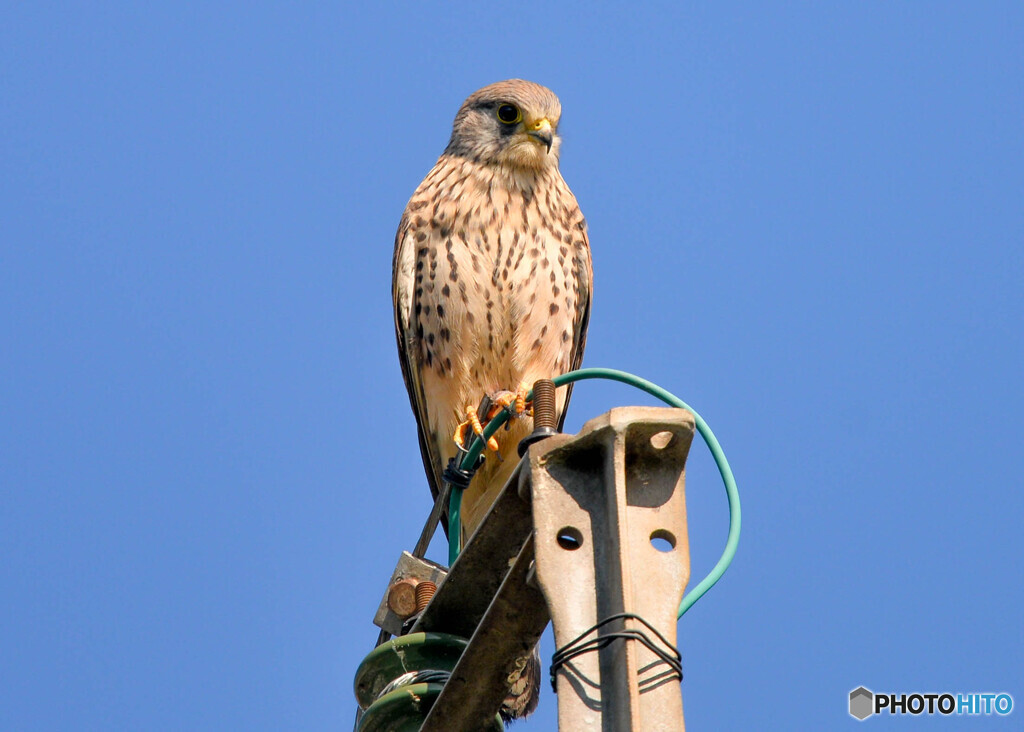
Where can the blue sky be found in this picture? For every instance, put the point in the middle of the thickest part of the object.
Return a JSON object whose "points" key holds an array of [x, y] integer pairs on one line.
{"points": [[806, 221]]}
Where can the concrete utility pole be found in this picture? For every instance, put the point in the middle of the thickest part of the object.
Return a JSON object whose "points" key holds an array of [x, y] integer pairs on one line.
{"points": [[616, 489], [589, 532]]}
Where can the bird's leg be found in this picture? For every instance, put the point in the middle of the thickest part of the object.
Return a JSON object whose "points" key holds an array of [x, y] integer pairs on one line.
{"points": [[514, 402], [511, 402], [472, 421], [521, 403]]}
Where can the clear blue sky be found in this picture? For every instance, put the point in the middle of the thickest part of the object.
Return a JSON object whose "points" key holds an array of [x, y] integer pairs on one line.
{"points": [[807, 220]]}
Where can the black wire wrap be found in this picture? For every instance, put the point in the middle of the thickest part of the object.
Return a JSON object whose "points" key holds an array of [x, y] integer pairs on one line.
{"points": [[580, 645], [456, 476]]}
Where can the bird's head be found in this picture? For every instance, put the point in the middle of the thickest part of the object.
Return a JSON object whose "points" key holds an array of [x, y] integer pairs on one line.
{"points": [[511, 123]]}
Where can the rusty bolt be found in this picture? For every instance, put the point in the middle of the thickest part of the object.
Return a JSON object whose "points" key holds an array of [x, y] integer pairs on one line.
{"points": [[545, 416], [402, 597], [424, 591]]}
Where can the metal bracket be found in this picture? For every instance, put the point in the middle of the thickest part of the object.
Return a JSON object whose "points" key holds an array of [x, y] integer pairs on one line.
{"points": [[609, 512], [486, 598], [464, 595], [502, 643], [409, 569]]}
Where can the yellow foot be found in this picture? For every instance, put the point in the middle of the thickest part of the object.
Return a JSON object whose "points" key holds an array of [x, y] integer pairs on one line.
{"points": [[472, 421], [514, 399], [513, 402]]}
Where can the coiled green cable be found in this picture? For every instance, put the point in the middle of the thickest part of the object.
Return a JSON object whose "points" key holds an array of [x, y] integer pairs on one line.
{"points": [[732, 493]]}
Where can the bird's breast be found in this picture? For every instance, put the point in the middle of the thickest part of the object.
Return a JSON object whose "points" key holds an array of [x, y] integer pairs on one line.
{"points": [[498, 294]]}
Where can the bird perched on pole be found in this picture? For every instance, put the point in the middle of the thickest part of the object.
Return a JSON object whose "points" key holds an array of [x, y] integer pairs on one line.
{"points": [[491, 283]]}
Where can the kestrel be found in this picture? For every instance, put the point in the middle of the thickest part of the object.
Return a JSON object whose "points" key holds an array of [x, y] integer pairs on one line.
{"points": [[492, 277]]}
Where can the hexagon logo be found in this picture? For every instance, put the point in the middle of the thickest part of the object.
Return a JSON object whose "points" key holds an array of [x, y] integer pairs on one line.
{"points": [[862, 703]]}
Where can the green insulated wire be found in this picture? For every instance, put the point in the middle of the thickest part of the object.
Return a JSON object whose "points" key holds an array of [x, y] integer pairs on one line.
{"points": [[455, 516], [732, 493]]}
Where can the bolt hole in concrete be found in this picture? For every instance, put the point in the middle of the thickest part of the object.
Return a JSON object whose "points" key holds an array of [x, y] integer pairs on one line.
{"points": [[570, 538], [660, 440], [663, 540]]}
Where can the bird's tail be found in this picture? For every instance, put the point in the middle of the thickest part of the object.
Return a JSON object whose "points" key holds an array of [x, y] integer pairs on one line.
{"points": [[524, 688]]}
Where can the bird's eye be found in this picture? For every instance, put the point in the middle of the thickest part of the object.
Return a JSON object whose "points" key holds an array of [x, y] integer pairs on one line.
{"points": [[509, 114]]}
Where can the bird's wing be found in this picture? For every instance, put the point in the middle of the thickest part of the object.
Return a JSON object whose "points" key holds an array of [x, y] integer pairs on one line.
{"points": [[403, 287], [585, 285]]}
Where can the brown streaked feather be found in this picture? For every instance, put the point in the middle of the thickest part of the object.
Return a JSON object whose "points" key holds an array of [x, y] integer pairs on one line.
{"points": [[585, 279], [428, 449], [490, 242], [492, 286]]}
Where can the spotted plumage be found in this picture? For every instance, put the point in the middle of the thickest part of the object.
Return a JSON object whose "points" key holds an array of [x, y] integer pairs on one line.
{"points": [[492, 276]]}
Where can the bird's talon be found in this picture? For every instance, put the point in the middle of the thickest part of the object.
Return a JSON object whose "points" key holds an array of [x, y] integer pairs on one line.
{"points": [[460, 435], [500, 402], [472, 422], [512, 402], [521, 393]]}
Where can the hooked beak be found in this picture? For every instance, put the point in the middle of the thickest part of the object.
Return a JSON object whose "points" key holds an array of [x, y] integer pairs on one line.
{"points": [[540, 130]]}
